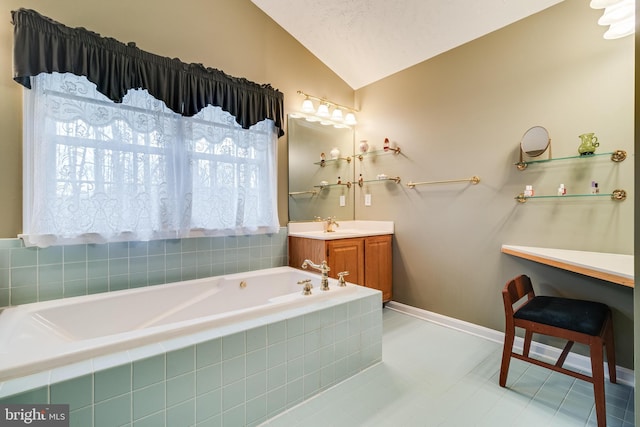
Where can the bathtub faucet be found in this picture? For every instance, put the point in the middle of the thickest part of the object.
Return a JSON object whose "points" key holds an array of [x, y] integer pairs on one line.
{"points": [[322, 268]]}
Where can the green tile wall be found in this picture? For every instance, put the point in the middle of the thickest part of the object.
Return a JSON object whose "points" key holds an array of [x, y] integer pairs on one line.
{"points": [[240, 379], [40, 274]]}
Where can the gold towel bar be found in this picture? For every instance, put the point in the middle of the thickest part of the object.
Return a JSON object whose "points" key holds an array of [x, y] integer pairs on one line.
{"points": [[296, 193], [474, 180]]}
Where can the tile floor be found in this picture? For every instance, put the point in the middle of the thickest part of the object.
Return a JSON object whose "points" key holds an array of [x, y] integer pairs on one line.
{"points": [[435, 376]]}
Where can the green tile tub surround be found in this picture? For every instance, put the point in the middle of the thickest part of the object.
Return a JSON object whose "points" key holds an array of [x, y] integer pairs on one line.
{"points": [[149, 371], [42, 274], [77, 392], [112, 382], [180, 389], [242, 378], [113, 412], [148, 400], [180, 362]]}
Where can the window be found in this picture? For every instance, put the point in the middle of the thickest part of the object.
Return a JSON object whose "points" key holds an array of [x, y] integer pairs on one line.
{"points": [[98, 171]]}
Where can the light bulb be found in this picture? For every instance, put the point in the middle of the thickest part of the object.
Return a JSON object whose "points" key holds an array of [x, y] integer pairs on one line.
{"points": [[307, 106], [323, 110], [601, 4], [617, 13], [336, 115], [350, 119], [621, 29]]}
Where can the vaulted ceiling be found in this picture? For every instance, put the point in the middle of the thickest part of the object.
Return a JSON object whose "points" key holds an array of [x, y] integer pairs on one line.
{"points": [[364, 41]]}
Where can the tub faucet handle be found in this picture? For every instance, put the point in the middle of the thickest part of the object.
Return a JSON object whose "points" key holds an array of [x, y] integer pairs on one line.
{"points": [[322, 268], [341, 275], [306, 286]]}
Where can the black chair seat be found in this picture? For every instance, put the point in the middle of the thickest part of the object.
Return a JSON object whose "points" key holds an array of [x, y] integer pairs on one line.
{"points": [[586, 317]]}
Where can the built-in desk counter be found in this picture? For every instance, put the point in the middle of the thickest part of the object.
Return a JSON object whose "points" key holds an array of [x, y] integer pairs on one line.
{"points": [[615, 268]]}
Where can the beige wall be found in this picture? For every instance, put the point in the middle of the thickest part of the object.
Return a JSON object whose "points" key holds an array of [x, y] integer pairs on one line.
{"points": [[462, 114], [231, 35]]}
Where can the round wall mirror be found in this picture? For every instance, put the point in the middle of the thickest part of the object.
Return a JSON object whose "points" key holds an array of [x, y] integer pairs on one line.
{"points": [[535, 141]]}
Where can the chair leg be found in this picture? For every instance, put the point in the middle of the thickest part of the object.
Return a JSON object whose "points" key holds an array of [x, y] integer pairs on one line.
{"points": [[597, 373], [507, 348], [609, 346], [528, 335], [564, 354]]}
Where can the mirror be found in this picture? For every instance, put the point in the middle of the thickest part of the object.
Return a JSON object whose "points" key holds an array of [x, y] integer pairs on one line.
{"points": [[535, 141], [313, 182]]}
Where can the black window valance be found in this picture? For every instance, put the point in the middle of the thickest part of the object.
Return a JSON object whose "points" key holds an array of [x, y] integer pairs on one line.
{"points": [[42, 45]]}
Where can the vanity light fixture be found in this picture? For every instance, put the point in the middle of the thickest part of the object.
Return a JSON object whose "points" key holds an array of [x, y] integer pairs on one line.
{"points": [[307, 106], [619, 15], [336, 116], [323, 110], [340, 117], [350, 119]]}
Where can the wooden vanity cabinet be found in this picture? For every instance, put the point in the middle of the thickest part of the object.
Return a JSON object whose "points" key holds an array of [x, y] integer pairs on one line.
{"points": [[377, 264], [347, 255], [367, 259]]}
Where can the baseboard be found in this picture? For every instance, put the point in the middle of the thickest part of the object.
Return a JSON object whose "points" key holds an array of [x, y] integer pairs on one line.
{"points": [[574, 361]]}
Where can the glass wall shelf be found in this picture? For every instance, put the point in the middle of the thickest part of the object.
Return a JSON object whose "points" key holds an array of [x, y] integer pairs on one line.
{"points": [[617, 195], [347, 184], [395, 150], [616, 156], [323, 163]]}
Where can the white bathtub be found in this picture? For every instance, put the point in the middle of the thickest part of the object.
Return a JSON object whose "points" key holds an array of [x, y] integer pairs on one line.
{"points": [[47, 335]]}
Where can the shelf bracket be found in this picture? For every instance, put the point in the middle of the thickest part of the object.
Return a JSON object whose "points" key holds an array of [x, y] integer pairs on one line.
{"points": [[618, 156], [618, 195]]}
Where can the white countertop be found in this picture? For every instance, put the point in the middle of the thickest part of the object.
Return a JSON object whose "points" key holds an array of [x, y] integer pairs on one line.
{"points": [[344, 230], [616, 268]]}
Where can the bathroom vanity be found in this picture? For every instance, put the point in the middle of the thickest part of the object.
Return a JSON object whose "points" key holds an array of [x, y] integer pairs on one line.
{"points": [[363, 248]]}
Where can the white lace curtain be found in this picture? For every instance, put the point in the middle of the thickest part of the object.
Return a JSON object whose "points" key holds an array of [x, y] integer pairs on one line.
{"points": [[99, 171]]}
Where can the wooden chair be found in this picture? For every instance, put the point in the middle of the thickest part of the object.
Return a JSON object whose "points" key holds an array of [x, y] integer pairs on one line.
{"points": [[585, 322]]}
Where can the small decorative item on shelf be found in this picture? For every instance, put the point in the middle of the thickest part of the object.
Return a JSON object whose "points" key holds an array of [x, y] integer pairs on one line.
{"points": [[385, 146], [528, 191], [339, 180], [364, 146], [324, 183], [589, 143], [382, 176], [594, 188], [323, 156], [562, 190], [335, 153]]}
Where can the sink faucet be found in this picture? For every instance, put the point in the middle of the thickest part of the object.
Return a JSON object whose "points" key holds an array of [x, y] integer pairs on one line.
{"points": [[322, 268], [331, 221]]}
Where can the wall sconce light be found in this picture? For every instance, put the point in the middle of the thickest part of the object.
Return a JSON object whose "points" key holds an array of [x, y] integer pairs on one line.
{"points": [[324, 115], [619, 15]]}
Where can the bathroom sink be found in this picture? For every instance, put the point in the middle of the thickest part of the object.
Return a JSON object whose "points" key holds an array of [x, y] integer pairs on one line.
{"points": [[345, 229]]}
